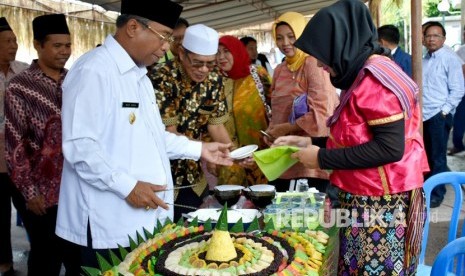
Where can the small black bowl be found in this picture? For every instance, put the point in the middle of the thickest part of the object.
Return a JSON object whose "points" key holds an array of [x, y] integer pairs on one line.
{"points": [[260, 195], [229, 194]]}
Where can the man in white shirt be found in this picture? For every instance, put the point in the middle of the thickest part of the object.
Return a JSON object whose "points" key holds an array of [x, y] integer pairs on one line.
{"points": [[443, 88], [115, 146]]}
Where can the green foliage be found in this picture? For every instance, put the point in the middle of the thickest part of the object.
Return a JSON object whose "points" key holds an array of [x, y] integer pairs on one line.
{"points": [[122, 251], [140, 239], [431, 9], [114, 259], [194, 222], [222, 223], [103, 263], [254, 225], [91, 271], [147, 234], [132, 243], [238, 227], [269, 226], [207, 226], [394, 14], [180, 222], [168, 221], [159, 226]]}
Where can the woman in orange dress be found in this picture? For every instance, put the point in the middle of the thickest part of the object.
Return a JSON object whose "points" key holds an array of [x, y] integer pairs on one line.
{"points": [[296, 75]]}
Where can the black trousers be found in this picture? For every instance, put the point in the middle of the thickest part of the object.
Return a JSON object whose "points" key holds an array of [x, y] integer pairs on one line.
{"points": [[48, 251], [88, 254], [189, 198], [8, 193]]}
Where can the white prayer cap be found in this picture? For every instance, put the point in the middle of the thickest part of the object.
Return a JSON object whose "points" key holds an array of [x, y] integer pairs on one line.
{"points": [[201, 40]]}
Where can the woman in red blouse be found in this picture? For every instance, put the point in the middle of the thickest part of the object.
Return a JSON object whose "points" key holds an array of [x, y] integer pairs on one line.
{"points": [[375, 148]]}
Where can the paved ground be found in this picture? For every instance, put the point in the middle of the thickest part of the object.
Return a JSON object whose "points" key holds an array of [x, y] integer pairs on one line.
{"points": [[437, 236]]}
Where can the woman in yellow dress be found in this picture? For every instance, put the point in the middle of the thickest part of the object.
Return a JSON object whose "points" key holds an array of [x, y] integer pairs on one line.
{"points": [[247, 93]]}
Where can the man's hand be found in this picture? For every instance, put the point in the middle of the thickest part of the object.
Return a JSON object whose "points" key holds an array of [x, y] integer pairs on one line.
{"points": [[144, 196], [37, 205], [212, 169], [216, 153]]}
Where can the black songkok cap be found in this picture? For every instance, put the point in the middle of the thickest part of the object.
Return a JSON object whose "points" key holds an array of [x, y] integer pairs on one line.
{"points": [[164, 12], [4, 26], [49, 24]]}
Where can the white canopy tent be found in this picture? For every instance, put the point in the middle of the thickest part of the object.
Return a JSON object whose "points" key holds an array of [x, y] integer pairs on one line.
{"points": [[226, 15]]}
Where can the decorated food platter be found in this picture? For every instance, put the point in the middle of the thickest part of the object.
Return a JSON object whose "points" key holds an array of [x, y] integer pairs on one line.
{"points": [[198, 249]]}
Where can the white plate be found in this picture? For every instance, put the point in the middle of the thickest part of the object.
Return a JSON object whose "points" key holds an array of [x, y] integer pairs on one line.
{"points": [[261, 188], [243, 152], [229, 187], [247, 215]]}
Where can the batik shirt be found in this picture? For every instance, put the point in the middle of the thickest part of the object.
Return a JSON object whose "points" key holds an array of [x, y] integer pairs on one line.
{"points": [[33, 133], [15, 68], [191, 107]]}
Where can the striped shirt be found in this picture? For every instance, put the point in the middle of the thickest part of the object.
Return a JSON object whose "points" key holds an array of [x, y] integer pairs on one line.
{"points": [[33, 133]]}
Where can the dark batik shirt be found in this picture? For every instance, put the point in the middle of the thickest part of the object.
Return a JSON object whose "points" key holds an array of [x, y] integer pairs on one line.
{"points": [[33, 133], [189, 105]]}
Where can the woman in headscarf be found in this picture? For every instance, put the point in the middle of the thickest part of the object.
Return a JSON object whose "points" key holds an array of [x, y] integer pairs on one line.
{"points": [[296, 75], [246, 89], [375, 148]]}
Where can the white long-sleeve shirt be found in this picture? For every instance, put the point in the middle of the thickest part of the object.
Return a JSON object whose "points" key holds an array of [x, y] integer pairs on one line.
{"points": [[113, 136], [443, 82]]}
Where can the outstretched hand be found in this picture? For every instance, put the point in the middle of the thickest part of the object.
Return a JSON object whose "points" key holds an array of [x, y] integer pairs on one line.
{"points": [[216, 153], [248, 163], [308, 156], [144, 196], [293, 140]]}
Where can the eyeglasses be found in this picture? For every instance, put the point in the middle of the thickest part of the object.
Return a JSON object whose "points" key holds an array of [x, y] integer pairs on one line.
{"points": [[434, 36], [169, 39], [199, 64]]}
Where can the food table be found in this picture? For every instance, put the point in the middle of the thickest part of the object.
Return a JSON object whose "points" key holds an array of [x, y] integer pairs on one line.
{"points": [[290, 248]]}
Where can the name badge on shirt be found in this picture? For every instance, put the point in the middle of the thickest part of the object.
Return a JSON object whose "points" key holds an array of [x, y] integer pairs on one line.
{"points": [[132, 116], [130, 105]]}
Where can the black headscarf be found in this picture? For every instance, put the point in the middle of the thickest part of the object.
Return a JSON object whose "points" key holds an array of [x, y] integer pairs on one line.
{"points": [[341, 36]]}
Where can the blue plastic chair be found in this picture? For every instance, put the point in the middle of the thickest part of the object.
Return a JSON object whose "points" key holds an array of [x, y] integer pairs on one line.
{"points": [[445, 258], [456, 179]]}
